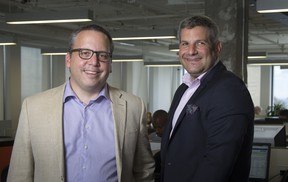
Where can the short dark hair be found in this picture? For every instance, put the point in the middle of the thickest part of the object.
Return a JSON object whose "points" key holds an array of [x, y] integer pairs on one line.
{"points": [[159, 114], [283, 112], [94, 27], [203, 21]]}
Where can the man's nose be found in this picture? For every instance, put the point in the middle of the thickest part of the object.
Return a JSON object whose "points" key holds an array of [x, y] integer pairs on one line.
{"points": [[192, 49]]}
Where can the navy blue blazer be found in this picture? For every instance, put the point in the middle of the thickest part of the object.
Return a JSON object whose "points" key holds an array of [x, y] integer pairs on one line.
{"points": [[212, 138]]}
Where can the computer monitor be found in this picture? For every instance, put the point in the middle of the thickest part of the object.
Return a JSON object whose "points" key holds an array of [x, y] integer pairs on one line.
{"points": [[260, 162], [271, 120], [273, 134]]}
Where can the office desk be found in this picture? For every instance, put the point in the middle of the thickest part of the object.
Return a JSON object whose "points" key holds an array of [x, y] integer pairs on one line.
{"points": [[6, 144], [278, 162]]}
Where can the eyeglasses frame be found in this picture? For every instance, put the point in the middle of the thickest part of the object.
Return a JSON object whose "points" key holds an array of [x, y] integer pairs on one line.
{"points": [[94, 52]]}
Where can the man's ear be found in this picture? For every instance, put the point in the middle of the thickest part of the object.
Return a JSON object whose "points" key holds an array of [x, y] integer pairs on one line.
{"points": [[110, 67], [218, 48], [68, 60]]}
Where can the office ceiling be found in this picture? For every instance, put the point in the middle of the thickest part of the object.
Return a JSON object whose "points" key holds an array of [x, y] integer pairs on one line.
{"points": [[266, 32]]}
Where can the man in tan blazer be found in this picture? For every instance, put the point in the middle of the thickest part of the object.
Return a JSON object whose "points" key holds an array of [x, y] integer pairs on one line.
{"points": [[110, 142]]}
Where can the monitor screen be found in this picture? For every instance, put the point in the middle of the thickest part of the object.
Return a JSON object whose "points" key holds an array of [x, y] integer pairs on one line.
{"points": [[260, 160], [271, 120]]}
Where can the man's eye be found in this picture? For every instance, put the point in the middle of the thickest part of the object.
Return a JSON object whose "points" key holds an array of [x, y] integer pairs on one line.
{"points": [[183, 44], [86, 53], [103, 55], [201, 43]]}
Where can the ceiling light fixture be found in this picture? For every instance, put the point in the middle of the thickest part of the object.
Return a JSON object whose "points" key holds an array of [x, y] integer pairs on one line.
{"points": [[7, 41], [278, 55], [132, 58], [144, 35], [257, 55], [268, 62], [49, 17], [163, 64], [53, 51], [174, 47], [271, 6]]}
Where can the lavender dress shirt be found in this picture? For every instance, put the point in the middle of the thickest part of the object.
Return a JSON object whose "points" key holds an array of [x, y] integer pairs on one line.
{"points": [[89, 138]]}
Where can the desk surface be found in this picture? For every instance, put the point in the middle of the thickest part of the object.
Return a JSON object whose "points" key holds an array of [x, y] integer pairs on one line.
{"points": [[6, 141], [278, 162]]}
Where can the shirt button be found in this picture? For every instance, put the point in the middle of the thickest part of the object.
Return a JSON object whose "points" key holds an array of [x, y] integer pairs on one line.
{"points": [[85, 146], [83, 167], [169, 163]]}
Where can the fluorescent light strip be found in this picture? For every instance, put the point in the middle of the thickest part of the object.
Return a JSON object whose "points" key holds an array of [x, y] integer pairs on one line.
{"points": [[163, 64], [174, 50], [126, 60], [257, 57], [144, 38], [54, 54], [48, 21], [7, 40], [268, 63], [7, 43], [271, 6], [174, 47], [49, 17], [273, 10], [144, 34], [53, 51]]}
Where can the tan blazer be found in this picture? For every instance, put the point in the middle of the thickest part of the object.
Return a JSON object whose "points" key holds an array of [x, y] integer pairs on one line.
{"points": [[38, 152]]}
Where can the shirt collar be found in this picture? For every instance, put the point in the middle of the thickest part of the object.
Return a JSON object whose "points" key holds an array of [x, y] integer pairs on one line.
{"points": [[189, 81], [69, 93]]}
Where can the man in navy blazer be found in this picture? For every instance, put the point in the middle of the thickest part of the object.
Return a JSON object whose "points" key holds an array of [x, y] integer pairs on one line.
{"points": [[210, 129]]}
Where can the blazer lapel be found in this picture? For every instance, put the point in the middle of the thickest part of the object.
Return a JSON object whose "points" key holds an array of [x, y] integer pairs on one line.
{"points": [[177, 97], [119, 116], [178, 94], [210, 78], [55, 119]]}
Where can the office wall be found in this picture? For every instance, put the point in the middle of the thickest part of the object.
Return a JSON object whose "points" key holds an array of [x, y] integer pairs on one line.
{"points": [[31, 72], [266, 86], [116, 78], [39, 73], [155, 86], [10, 88], [254, 84], [1, 83], [136, 80], [163, 83]]}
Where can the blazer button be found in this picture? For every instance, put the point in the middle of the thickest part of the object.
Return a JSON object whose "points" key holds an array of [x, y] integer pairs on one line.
{"points": [[169, 164]]}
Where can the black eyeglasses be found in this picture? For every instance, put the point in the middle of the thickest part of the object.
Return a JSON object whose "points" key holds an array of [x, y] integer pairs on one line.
{"points": [[87, 54]]}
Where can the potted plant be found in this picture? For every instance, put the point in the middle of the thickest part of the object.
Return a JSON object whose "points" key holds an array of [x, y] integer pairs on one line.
{"points": [[274, 110]]}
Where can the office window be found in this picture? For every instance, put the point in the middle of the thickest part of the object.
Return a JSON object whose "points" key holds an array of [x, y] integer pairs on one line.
{"points": [[31, 71], [280, 85], [254, 83]]}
